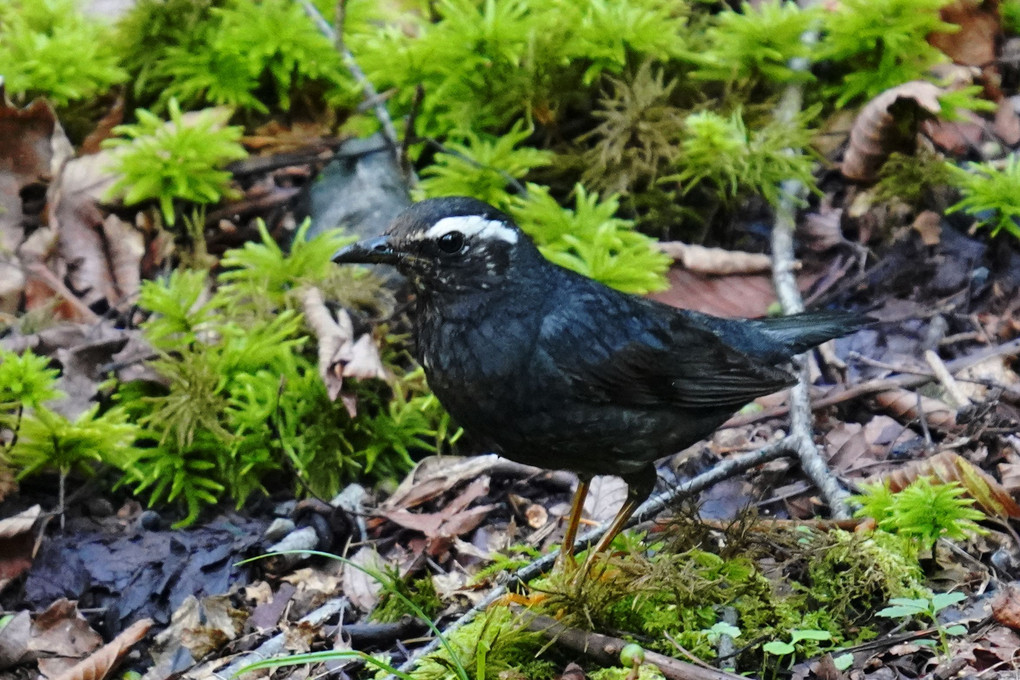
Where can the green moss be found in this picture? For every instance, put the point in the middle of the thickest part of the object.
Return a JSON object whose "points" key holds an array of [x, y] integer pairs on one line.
{"points": [[875, 46], [908, 177], [485, 65], [254, 55], [495, 643], [592, 240], [757, 43], [845, 578], [48, 48], [732, 160], [180, 159], [989, 193], [241, 399], [646, 672], [420, 591]]}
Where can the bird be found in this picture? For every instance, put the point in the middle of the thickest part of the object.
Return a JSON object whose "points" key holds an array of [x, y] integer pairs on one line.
{"points": [[550, 368]]}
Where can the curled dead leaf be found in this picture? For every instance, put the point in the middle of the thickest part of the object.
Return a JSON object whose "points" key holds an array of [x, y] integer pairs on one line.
{"points": [[888, 123], [903, 405], [18, 544]]}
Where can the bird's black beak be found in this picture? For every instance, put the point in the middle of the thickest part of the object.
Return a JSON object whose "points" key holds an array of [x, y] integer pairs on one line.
{"points": [[370, 251]]}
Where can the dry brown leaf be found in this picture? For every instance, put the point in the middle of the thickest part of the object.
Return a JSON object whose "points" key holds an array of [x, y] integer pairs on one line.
{"points": [[125, 246], [955, 137], [979, 32], [717, 261], [606, 496], [1007, 123], [315, 586], [361, 588], [105, 659], [821, 231], [1006, 606], [74, 200], [947, 467], [849, 447], [434, 476], [61, 637], [20, 523], [17, 545], [215, 623], [14, 638], [1009, 473], [735, 295], [453, 520], [32, 143], [928, 224], [902, 405], [879, 128]]}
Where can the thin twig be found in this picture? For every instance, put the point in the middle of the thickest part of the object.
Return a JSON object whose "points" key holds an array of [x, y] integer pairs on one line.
{"points": [[368, 90], [811, 461], [410, 135], [648, 509], [957, 398]]}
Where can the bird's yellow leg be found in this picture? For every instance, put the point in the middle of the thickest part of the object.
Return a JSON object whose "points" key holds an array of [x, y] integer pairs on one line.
{"points": [[615, 528], [574, 519]]}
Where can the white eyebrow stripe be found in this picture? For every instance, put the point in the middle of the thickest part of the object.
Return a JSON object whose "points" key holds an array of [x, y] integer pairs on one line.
{"points": [[473, 225]]}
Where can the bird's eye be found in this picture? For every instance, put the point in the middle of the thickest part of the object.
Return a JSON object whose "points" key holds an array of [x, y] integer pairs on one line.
{"points": [[451, 242]]}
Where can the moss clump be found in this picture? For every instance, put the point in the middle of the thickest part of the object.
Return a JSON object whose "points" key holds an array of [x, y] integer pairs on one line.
{"points": [[856, 574], [907, 178], [421, 592], [48, 48], [646, 672], [839, 579], [496, 643]]}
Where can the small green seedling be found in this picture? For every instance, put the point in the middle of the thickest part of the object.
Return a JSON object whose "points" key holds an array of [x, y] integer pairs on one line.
{"points": [[780, 649], [718, 630], [904, 607]]}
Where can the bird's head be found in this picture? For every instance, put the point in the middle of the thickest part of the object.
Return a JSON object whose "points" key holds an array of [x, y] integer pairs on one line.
{"points": [[451, 244]]}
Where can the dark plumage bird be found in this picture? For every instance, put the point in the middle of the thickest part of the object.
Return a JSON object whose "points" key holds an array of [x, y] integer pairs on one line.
{"points": [[553, 369]]}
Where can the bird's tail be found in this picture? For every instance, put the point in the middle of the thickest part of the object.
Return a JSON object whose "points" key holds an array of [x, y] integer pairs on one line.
{"points": [[800, 332]]}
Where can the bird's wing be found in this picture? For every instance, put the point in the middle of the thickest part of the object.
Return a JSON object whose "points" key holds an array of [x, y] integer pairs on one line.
{"points": [[625, 351]]}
